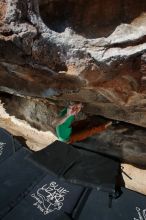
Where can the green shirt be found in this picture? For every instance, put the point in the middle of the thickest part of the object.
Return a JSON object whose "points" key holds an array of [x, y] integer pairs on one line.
{"points": [[64, 130]]}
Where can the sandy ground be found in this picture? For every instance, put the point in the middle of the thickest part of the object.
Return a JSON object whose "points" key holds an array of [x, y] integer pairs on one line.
{"points": [[35, 139], [135, 179]]}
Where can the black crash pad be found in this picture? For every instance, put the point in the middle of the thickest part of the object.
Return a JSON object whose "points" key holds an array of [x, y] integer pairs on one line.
{"points": [[130, 205], [8, 145], [21, 180], [50, 199], [56, 183], [17, 177], [78, 166]]}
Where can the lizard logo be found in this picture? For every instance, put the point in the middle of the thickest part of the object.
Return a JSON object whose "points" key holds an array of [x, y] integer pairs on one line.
{"points": [[141, 214], [49, 197]]}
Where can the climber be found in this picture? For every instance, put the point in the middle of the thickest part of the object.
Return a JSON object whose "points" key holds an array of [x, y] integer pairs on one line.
{"points": [[65, 123]]}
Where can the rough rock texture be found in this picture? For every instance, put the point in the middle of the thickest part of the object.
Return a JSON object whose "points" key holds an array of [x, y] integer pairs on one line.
{"points": [[121, 140], [33, 138], [57, 51]]}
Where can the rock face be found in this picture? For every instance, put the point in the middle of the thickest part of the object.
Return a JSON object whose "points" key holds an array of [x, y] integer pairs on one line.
{"points": [[57, 51], [121, 140]]}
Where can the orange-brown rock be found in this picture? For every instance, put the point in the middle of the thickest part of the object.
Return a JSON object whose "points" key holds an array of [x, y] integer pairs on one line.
{"points": [[58, 51]]}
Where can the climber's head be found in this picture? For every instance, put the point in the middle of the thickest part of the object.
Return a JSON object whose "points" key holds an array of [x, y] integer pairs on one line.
{"points": [[74, 109]]}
